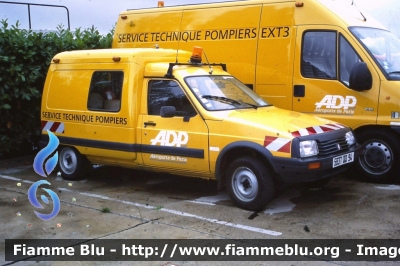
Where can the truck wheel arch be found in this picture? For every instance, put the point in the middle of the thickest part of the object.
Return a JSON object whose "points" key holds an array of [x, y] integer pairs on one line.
{"points": [[240, 149]]}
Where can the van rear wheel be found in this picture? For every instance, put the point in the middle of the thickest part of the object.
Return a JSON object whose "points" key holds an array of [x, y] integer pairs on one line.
{"points": [[249, 184], [71, 163]]}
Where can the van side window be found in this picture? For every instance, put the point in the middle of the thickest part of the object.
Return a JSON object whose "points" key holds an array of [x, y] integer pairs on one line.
{"points": [[319, 55], [168, 93], [105, 91], [348, 57]]}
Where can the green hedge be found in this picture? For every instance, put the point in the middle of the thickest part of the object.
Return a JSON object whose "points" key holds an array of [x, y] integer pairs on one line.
{"points": [[24, 59]]}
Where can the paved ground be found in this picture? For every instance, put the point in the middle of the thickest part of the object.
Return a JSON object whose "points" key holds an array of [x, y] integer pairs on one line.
{"points": [[143, 205]]}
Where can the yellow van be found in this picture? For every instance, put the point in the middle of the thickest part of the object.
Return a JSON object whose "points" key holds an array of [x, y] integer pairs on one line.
{"points": [[148, 108], [321, 57]]}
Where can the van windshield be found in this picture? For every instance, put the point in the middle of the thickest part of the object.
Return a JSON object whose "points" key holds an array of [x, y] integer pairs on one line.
{"points": [[217, 93], [384, 47]]}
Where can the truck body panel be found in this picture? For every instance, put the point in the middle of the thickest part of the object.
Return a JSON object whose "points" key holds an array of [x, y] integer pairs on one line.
{"points": [[298, 56]]}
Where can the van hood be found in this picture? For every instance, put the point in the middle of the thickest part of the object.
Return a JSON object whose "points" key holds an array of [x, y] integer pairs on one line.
{"points": [[280, 122]]}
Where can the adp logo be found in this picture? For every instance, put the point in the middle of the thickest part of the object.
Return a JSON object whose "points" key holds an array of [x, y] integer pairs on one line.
{"points": [[337, 102], [170, 138], [44, 168]]}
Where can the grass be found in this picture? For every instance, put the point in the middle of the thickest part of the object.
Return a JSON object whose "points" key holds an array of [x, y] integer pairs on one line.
{"points": [[105, 210]]}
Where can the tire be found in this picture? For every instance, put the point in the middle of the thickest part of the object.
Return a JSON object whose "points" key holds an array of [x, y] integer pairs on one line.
{"points": [[249, 184], [71, 163], [379, 159]]}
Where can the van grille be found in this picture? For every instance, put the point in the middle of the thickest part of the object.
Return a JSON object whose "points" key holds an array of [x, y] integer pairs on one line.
{"points": [[331, 146]]}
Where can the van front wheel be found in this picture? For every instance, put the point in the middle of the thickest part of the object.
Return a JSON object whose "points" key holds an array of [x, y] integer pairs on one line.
{"points": [[379, 160], [71, 163], [249, 184]]}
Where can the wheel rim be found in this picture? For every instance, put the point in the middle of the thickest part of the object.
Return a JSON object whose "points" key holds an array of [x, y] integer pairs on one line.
{"points": [[244, 184], [68, 161], [376, 158]]}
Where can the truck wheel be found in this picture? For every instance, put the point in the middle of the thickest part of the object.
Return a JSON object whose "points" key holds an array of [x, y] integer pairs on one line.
{"points": [[380, 156], [71, 163], [249, 184]]}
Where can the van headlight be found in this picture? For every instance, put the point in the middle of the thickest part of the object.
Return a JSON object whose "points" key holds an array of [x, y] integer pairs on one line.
{"points": [[308, 148], [350, 138]]}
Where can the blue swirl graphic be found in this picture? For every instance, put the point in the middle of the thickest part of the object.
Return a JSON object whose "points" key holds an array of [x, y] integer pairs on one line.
{"points": [[33, 200], [44, 153]]}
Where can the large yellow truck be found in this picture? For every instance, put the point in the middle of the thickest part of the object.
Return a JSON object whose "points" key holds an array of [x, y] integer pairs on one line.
{"points": [[322, 57], [148, 108]]}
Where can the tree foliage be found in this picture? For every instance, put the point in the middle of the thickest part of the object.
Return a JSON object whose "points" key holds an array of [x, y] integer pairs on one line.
{"points": [[25, 56]]}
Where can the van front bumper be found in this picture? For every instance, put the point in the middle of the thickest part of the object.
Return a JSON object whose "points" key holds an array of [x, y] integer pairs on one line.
{"points": [[296, 170]]}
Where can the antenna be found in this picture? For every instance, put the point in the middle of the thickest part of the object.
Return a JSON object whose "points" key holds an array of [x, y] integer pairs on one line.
{"points": [[211, 70], [176, 60], [352, 3], [179, 42]]}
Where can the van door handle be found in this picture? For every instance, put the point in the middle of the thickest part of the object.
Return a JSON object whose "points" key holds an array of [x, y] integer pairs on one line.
{"points": [[150, 123]]}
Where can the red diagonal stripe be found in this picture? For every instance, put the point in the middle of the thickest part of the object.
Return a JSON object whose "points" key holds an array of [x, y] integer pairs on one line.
{"points": [[268, 140], [332, 125], [326, 129], [54, 126], [311, 130], [296, 134], [286, 147], [43, 124]]}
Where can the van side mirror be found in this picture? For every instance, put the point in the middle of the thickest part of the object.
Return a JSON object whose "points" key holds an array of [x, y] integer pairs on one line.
{"points": [[360, 77], [168, 111]]}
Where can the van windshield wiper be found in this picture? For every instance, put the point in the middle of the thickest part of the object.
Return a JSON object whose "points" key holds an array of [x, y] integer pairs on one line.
{"points": [[227, 100], [394, 72], [252, 105], [221, 99]]}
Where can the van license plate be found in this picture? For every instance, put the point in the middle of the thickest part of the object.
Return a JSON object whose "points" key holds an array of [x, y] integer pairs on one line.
{"points": [[343, 159]]}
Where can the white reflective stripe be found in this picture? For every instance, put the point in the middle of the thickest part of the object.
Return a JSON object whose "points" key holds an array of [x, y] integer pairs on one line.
{"points": [[60, 128], [318, 129], [303, 132], [331, 126], [277, 144], [339, 125], [48, 125]]}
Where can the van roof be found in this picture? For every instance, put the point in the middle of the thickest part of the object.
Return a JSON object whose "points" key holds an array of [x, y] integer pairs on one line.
{"points": [[184, 70], [312, 11], [350, 14], [125, 55], [207, 5]]}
